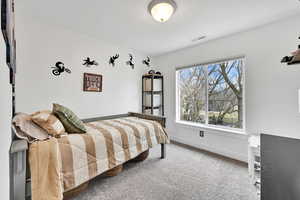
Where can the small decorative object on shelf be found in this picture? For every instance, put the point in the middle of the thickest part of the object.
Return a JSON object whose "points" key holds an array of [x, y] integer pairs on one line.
{"points": [[151, 72], [147, 62], [294, 59], [153, 93], [254, 162], [60, 68], [113, 59], [92, 82], [88, 62], [130, 61]]}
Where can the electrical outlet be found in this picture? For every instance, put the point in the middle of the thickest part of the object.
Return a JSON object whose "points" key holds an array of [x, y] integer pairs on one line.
{"points": [[201, 133]]}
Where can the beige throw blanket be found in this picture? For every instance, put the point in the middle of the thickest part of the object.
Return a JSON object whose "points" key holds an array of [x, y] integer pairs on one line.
{"points": [[60, 165], [46, 182]]}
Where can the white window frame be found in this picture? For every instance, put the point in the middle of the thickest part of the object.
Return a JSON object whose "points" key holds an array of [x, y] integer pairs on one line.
{"points": [[206, 125]]}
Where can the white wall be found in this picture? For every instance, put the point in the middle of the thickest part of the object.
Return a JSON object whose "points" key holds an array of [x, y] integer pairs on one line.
{"points": [[5, 119], [41, 45], [271, 87]]}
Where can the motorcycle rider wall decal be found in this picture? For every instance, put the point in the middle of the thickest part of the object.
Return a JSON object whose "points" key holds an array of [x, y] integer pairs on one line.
{"points": [[88, 62], [113, 59], [130, 62], [60, 68]]}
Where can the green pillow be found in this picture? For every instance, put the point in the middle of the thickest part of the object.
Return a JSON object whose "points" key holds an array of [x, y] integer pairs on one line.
{"points": [[70, 121]]}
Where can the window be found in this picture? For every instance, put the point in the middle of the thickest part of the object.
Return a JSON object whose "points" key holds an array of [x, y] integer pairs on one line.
{"points": [[212, 94]]}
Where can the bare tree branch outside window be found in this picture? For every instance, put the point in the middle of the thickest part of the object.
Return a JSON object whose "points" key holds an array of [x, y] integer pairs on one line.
{"points": [[212, 94]]}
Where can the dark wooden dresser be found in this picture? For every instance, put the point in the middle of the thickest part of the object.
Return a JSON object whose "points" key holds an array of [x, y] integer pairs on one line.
{"points": [[280, 173]]}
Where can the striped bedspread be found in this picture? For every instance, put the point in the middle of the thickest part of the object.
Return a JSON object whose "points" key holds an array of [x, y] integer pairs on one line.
{"points": [[60, 165]]}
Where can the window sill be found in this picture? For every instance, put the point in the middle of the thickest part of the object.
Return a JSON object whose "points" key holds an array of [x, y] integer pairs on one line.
{"points": [[196, 125]]}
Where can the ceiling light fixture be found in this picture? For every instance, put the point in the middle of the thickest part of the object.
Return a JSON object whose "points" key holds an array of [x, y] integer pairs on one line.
{"points": [[162, 10]]}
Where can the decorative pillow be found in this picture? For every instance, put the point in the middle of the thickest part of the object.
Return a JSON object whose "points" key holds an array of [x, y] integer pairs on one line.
{"points": [[26, 129], [70, 121], [49, 122]]}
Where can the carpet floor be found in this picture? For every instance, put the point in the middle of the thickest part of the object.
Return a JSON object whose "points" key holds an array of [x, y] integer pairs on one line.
{"points": [[185, 174]]}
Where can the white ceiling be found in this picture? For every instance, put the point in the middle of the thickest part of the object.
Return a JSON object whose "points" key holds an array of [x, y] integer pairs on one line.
{"points": [[127, 22]]}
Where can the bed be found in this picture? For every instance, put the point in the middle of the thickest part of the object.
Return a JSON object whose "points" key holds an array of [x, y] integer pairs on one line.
{"points": [[61, 165]]}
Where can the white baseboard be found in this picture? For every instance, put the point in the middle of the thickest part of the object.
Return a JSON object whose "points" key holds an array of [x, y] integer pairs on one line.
{"points": [[226, 153]]}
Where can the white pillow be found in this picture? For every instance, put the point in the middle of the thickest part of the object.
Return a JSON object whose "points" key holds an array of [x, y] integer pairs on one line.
{"points": [[26, 129]]}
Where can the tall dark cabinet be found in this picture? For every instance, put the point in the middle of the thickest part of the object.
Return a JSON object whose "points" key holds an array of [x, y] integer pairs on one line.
{"points": [[280, 172], [153, 94]]}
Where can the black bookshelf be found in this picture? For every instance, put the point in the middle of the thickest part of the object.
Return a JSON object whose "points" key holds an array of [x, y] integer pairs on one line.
{"points": [[152, 77]]}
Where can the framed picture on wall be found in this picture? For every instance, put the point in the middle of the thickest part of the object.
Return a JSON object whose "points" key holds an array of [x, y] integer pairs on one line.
{"points": [[92, 82]]}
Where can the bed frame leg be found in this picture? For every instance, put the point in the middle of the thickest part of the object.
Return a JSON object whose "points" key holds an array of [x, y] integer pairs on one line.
{"points": [[163, 151]]}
